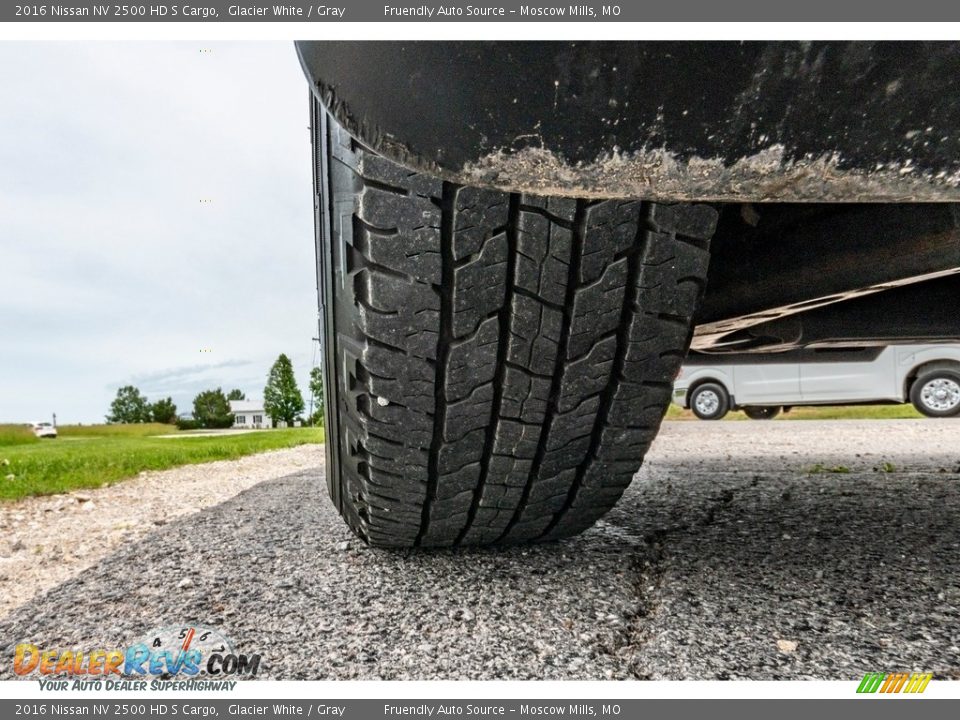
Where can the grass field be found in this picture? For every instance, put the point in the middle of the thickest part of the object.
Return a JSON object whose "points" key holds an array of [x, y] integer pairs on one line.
{"points": [[112, 431], [86, 456], [16, 435], [91, 456], [827, 412]]}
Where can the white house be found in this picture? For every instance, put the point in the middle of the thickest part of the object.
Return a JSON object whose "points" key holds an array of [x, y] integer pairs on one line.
{"points": [[249, 414]]}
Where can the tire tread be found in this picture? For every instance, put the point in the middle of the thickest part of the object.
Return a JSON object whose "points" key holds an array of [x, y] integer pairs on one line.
{"points": [[504, 360]]}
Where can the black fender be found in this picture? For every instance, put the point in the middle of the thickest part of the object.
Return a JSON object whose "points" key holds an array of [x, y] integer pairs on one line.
{"points": [[716, 121]]}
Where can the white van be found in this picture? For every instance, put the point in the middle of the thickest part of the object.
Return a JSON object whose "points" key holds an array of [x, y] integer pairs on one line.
{"points": [[763, 384], [43, 429]]}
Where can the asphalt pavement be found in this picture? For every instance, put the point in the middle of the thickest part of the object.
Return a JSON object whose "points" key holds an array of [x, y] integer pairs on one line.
{"points": [[743, 550]]}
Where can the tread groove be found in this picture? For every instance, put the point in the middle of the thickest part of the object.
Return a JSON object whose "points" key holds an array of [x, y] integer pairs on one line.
{"points": [[573, 275], [537, 298], [548, 215], [505, 317], [606, 398], [385, 187], [444, 343]]}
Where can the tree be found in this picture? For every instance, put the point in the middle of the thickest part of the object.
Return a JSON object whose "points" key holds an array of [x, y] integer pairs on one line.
{"points": [[281, 397], [316, 390], [211, 409], [164, 411], [130, 406], [236, 394]]}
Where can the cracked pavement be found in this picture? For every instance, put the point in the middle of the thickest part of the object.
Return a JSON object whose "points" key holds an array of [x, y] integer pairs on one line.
{"points": [[754, 550]]}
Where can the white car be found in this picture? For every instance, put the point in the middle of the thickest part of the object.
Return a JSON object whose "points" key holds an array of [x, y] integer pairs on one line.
{"points": [[43, 429], [762, 384]]}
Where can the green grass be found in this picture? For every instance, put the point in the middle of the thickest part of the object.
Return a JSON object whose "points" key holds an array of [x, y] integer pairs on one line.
{"points": [[139, 430], [826, 412], [93, 456], [16, 435]]}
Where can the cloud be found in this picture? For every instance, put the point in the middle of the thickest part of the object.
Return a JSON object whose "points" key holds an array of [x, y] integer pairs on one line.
{"points": [[174, 375], [184, 383], [110, 266]]}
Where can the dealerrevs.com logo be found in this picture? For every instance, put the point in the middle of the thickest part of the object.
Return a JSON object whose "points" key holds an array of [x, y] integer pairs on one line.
{"points": [[165, 653]]}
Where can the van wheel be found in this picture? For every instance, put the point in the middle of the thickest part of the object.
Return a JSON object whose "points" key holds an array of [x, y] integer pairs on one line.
{"points": [[497, 364], [937, 394], [710, 401], [757, 412]]}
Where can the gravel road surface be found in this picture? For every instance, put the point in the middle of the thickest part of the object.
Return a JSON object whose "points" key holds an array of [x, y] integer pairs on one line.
{"points": [[46, 540], [756, 550]]}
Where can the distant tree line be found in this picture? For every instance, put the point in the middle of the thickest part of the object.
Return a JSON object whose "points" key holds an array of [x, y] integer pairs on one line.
{"points": [[131, 406], [282, 402], [211, 408]]}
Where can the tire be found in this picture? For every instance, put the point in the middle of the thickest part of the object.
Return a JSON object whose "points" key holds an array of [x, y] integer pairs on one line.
{"points": [[500, 362], [761, 412], [937, 393], [710, 401]]}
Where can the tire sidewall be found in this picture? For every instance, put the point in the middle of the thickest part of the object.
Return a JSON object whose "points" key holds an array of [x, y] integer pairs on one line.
{"points": [[917, 389], [723, 406]]}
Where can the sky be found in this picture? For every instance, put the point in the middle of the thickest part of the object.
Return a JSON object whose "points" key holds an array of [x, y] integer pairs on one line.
{"points": [[156, 223]]}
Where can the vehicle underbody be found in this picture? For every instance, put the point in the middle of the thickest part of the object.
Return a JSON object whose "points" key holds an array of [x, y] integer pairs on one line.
{"points": [[830, 162]]}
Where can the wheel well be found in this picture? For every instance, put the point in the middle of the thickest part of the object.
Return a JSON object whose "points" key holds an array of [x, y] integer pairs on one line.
{"points": [[924, 368], [703, 381]]}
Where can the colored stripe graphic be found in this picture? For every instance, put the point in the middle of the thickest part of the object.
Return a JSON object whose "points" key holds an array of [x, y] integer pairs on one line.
{"points": [[919, 682], [870, 683], [913, 683], [894, 683]]}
